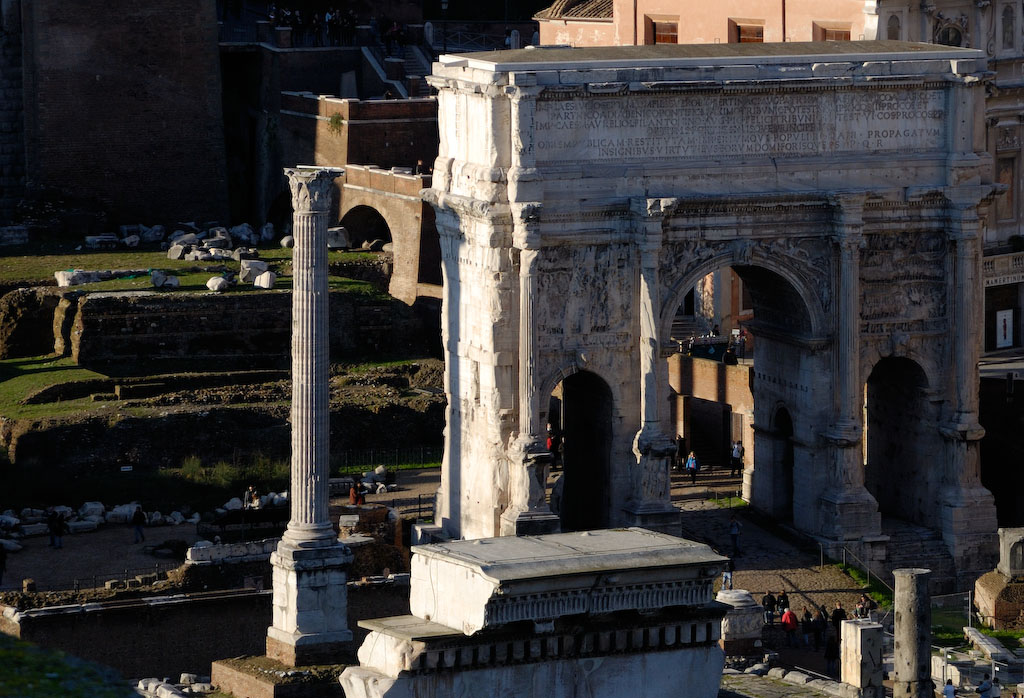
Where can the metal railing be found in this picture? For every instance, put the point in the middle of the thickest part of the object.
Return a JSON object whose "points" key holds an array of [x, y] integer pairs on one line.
{"points": [[372, 457], [459, 41], [847, 553], [98, 580]]}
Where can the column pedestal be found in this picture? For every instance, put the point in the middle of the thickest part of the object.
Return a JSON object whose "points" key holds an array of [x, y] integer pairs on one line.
{"points": [[533, 517], [310, 605], [653, 509]]}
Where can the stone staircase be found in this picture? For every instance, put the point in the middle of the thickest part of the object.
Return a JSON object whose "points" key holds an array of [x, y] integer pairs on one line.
{"points": [[915, 546], [417, 65]]}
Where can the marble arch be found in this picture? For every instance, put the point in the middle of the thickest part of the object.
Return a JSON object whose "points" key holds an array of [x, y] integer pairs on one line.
{"points": [[578, 191]]}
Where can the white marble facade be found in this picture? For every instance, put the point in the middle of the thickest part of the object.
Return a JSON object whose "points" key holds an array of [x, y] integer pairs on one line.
{"points": [[580, 193]]}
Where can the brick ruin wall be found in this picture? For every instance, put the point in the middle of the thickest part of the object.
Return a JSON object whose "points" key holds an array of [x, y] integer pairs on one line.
{"points": [[186, 634], [123, 105], [12, 143], [236, 331]]}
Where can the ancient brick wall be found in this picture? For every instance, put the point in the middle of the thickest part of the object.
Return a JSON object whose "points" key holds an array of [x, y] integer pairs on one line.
{"points": [[243, 330], [12, 151], [123, 104], [172, 636]]}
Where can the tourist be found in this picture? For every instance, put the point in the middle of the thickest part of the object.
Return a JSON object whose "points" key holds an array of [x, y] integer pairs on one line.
{"points": [[782, 601], [832, 655], [984, 689], [789, 624], [692, 466], [734, 534], [736, 458], [997, 690], [57, 526], [869, 605], [819, 627], [806, 626], [769, 603], [251, 498], [948, 691], [727, 574], [838, 616], [355, 492], [138, 521]]}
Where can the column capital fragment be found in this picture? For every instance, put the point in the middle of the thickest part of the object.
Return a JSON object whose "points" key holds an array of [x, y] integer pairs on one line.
{"points": [[311, 188]]}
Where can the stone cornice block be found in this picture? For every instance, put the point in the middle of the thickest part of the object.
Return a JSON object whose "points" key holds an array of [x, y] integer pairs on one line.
{"points": [[487, 583]]}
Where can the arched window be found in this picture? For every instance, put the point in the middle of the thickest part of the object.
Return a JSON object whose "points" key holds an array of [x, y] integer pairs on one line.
{"points": [[950, 36], [1009, 27], [893, 29]]}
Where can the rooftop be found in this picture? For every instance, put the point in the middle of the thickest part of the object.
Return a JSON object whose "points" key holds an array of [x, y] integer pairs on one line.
{"points": [[664, 55]]}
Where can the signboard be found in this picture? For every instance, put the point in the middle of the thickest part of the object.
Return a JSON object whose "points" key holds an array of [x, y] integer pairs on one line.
{"points": [[1004, 329]]}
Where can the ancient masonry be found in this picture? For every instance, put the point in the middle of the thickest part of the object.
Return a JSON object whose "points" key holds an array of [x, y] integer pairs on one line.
{"points": [[550, 616], [12, 125], [310, 597], [580, 193]]}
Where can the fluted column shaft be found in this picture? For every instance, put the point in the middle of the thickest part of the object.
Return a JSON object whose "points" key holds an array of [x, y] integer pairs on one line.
{"points": [[529, 427], [310, 411], [968, 306], [649, 313]]}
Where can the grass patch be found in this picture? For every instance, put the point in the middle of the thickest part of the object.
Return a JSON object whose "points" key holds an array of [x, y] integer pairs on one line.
{"points": [[873, 588], [731, 502], [39, 269], [20, 377], [28, 671], [360, 469]]}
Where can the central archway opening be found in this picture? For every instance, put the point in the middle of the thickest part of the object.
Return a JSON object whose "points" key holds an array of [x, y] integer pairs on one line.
{"points": [[580, 416], [745, 373]]}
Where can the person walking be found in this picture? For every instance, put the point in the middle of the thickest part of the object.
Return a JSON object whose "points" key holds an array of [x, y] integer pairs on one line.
{"points": [[692, 467], [55, 523], [734, 534], [138, 521], [948, 691], [806, 626], [727, 574], [818, 628], [736, 458], [984, 689]]}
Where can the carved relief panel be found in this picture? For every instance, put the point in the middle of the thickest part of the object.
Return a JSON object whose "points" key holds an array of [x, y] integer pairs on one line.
{"points": [[903, 282]]}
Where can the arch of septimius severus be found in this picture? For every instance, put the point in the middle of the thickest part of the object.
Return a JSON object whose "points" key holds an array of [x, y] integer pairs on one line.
{"points": [[581, 192]]}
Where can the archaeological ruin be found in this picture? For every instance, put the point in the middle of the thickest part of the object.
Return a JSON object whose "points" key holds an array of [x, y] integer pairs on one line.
{"points": [[581, 193]]}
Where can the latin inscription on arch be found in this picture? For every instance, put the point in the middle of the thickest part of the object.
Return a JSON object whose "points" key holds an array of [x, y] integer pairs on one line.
{"points": [[706, 125]]}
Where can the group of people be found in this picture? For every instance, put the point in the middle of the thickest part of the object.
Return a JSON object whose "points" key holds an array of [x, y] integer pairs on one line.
{"points": [[813, 624], [691, 464], [332, 27]]}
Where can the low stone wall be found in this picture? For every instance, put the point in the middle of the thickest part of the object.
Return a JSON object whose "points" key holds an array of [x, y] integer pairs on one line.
{"points": [[242, 329], [165, 636]]}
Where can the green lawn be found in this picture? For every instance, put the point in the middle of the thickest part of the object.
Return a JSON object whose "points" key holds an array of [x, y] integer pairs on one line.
{"points": [[39, 268], [27, 671], [20, 377]]}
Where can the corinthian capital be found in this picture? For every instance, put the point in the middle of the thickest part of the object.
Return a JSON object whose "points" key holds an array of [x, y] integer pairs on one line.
{"points": [[311, 188]]}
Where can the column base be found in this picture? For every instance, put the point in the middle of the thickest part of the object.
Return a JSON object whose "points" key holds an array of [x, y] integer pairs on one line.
{"points": [[309, 650], [655, 517], [970, 531], [530, 523], [310, 605], [849, 514]]}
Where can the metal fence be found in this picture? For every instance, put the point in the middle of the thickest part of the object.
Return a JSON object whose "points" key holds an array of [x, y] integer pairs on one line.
{"points": [[100, 579], [354, 460]]}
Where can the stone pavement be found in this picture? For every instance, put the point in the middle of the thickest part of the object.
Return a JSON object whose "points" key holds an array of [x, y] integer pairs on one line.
{"points": [[751, 686]]}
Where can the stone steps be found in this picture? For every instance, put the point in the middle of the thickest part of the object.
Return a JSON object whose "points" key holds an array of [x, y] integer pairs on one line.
{"points": [[916, 546]]}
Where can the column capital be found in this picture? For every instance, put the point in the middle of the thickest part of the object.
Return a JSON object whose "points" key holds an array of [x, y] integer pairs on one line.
{"points": [[526, 224], [311, 188]]}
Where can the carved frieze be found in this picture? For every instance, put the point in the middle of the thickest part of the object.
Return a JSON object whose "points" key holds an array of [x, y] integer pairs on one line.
{"points": [[585, 292], [903, 281]]}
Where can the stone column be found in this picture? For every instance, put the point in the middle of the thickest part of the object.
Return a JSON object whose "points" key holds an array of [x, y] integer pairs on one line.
{"points": [[967, 508], [528, 512], [310, 623], [913, 634], [650, 505], [850, 510]]}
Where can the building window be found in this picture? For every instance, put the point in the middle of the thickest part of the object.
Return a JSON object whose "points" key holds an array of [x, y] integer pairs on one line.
{"points": [[666, 33], [893, 28], [1009, 27], [830, 32], [949, 36], [1005, 175], [749, 34]]}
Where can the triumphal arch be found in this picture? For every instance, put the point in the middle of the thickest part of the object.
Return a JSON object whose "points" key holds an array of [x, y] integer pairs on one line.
{"points": [[581, 192]]}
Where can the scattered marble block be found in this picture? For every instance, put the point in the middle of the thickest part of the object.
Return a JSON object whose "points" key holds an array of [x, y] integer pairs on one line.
{"points": [[473, 584], [741, 627], [287, 241], [218, 284], [249, 269], [604, 614], [266, 280]]}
